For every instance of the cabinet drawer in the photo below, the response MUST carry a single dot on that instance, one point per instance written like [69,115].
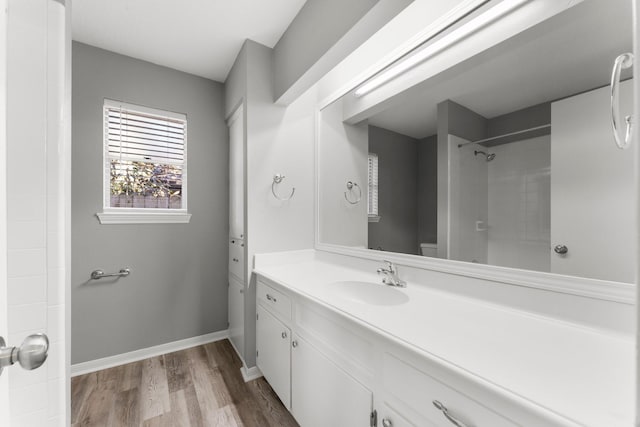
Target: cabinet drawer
[274,300]
[412,392]
[236,258]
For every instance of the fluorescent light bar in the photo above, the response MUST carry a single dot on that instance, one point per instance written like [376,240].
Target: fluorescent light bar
[412,59]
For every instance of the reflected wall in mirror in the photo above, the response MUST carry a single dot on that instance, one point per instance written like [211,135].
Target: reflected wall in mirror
[506,158]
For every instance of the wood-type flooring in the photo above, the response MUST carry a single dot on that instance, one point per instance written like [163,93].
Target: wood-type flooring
[200,386]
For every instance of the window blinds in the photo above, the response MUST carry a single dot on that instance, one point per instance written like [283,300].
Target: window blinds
[372,191]
[143,136]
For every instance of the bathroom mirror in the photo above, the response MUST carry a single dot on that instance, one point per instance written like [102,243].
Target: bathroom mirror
[506,158]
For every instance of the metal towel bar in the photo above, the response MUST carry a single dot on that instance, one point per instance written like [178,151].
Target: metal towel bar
[99,274]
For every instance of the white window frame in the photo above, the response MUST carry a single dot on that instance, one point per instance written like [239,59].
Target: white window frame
[373,188]
[110,215]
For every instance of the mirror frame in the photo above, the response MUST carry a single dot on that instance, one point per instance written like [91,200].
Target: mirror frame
[573,285]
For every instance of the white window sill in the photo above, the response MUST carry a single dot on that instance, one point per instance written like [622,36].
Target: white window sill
[143,216]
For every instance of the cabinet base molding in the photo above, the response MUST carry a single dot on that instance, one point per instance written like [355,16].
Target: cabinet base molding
[145,353]
[250,374]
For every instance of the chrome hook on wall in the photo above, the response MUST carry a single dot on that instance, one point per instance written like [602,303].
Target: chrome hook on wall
[277,179]
[622,62]
[350,185]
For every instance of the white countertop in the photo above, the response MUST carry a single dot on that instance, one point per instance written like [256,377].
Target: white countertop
[583,374]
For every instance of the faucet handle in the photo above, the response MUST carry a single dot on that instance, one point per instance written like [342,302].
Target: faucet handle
[390,266]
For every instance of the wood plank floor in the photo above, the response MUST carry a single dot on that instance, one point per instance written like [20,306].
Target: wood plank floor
[199,386]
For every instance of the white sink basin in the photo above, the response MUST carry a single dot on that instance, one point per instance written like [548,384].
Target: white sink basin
[369,293]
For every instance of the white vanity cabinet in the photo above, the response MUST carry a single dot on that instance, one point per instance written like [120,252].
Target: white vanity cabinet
[330,368]
[421,399]
[316,390]
[322,393]
[273,354]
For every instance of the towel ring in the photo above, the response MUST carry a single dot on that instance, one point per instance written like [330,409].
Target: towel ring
[350,185]
[277,179]
[622,62]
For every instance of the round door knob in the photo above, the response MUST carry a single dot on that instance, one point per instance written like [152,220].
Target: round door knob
[284,335]
[33,351]
[386,422]
[30,355]
[560,249]
[294,344]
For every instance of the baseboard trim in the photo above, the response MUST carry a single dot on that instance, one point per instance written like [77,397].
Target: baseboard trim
[145,353]
[250,374]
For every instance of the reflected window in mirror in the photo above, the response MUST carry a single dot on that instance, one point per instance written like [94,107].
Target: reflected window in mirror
[372,188]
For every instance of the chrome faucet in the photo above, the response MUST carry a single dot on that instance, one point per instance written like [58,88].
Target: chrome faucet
[391,275]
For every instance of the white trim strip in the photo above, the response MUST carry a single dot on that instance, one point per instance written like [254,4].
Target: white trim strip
[250,374]
[138,217]
[145,353]
[591,288]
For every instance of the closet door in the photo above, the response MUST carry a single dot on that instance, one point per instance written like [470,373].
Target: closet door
[236,174]
[592,188]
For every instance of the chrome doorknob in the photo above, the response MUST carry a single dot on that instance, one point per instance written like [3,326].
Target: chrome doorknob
[30,355]
[560,249]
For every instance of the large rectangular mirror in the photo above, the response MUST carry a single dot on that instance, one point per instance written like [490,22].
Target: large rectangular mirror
[506,158]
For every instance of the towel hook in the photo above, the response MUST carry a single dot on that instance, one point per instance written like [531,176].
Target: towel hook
[622,62]
[277,179]
[350,185]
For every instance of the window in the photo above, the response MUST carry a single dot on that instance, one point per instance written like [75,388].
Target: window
[145,171]
[372,189]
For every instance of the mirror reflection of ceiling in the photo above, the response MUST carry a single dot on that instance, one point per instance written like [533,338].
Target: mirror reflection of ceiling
[569,53]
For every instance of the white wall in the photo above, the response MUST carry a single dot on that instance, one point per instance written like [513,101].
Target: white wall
[519,204]
[37,171]
[342,156]
[278,140]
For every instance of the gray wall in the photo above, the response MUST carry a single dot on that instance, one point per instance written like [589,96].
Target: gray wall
[178,285]
[322,34]
[428,189]
[397,230]
[317,27]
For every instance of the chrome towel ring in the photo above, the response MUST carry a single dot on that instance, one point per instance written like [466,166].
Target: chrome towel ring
[622,62]
[350,185]
[277,179]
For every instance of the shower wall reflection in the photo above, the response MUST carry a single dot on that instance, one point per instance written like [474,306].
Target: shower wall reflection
[500,209]
[493,198]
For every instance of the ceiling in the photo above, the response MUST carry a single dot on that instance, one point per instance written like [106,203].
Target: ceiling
[568,54]
[201,37]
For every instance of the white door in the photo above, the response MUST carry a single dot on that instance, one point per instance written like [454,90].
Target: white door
[34,185]
[596,226]
[236,174]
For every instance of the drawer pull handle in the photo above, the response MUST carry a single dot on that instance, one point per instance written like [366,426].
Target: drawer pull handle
[235,260]
[284,335]
[386,422]
[450,417]
[270,298]
[294,343]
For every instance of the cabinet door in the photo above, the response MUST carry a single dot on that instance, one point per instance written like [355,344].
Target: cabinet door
[236,315]
[236,174]
[273,356]
[322,393]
